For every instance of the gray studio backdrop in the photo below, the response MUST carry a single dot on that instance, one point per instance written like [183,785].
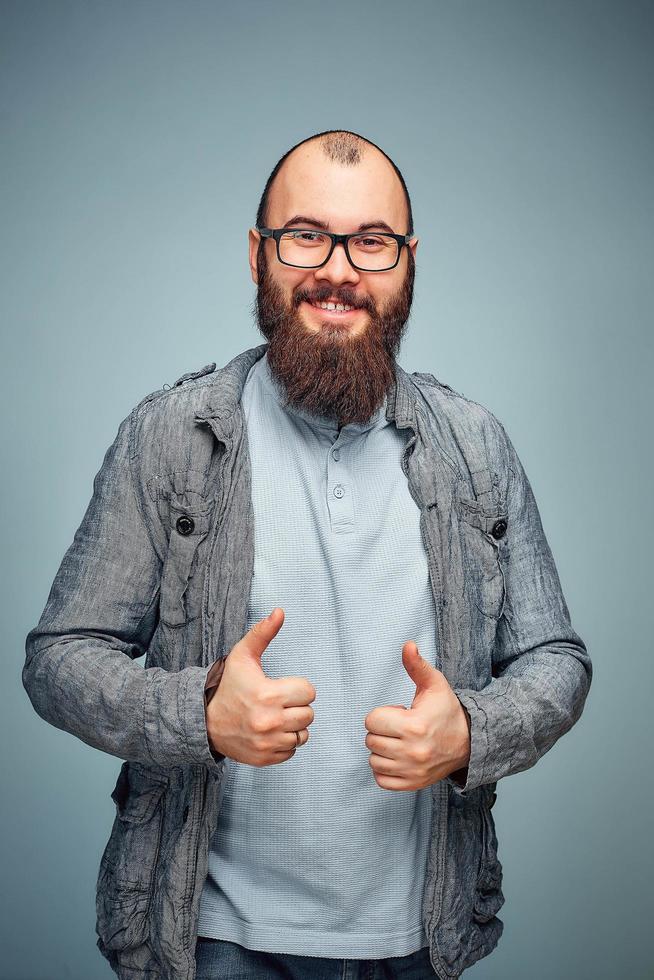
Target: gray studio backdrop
[137,138]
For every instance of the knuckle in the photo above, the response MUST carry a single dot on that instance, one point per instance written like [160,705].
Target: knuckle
[267,697]
[414,729]
[260,724]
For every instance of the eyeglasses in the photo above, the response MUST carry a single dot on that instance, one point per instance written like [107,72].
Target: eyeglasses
[306,248]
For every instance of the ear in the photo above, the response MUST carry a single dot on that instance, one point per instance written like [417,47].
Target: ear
[413,245]
[254,239]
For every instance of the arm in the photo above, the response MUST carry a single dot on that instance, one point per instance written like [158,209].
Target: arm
[541,668]
[100,615]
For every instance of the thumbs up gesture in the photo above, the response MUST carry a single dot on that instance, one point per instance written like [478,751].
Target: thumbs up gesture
[253,718]
[414,747]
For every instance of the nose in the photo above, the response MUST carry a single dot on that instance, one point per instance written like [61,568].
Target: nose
[338,269]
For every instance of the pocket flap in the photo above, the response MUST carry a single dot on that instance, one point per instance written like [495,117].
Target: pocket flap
[484,518]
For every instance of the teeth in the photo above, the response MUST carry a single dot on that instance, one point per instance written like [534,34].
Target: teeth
[333,306]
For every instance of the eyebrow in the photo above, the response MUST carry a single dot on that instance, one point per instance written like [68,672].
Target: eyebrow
[300,219]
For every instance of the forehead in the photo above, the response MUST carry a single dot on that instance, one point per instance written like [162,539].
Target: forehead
[309,183]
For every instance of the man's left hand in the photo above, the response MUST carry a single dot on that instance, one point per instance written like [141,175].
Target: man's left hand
[414,747]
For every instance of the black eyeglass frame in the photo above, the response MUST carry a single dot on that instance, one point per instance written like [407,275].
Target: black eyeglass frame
[343,240]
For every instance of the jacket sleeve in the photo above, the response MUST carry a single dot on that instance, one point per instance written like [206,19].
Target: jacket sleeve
[541,668]
[101,613]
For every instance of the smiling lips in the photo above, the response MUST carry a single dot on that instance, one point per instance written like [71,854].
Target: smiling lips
[337,310]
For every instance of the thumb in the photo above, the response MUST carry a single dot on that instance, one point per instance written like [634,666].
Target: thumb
[261,633]
[422,673]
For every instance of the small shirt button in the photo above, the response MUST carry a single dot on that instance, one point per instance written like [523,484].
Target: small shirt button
[338,491]
[185,525]
[499,529]
[336,453]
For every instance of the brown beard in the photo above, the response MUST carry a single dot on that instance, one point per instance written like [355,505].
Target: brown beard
[330,373]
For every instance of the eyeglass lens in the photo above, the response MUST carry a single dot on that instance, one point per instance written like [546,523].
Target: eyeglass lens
[372,252]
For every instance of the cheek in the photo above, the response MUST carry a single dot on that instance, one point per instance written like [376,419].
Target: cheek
[293,283]
[383,293]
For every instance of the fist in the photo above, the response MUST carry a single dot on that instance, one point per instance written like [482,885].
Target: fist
[253,718]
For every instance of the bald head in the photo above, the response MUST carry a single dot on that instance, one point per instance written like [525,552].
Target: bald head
[333,163]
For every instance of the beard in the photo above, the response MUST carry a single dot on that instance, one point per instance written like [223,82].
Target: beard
[332,372]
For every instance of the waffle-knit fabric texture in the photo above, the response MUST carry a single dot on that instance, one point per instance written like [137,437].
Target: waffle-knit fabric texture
[311,856]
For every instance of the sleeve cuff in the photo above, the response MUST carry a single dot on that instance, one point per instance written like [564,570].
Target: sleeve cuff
[196,721]
[470,777]
[460,776]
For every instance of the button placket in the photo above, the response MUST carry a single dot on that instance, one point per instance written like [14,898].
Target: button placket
[340,494]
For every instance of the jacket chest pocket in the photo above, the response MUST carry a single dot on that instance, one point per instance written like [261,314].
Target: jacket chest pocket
[182,575]
[127,866]
[484,549]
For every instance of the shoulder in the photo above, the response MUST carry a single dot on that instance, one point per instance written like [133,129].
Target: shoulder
[445,399]
[172,421]
[193,375]
[166,415]
[466,425]
[166,392]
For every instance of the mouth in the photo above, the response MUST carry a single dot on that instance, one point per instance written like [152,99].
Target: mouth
[333,311]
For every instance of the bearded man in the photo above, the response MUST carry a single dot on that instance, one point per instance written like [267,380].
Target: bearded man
[352,621]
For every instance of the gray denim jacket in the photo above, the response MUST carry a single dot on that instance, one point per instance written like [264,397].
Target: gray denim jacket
[161,565]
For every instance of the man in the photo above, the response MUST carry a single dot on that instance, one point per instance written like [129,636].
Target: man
[315,549]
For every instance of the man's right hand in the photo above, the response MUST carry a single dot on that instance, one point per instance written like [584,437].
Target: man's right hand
[253,718]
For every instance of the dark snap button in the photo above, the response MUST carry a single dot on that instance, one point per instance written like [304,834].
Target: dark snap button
[185,525]
[499,529]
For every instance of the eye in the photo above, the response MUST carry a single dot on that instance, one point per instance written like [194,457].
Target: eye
[371,242]
[306,237]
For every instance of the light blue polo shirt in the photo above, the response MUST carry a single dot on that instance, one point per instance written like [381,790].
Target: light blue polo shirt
[311,856]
